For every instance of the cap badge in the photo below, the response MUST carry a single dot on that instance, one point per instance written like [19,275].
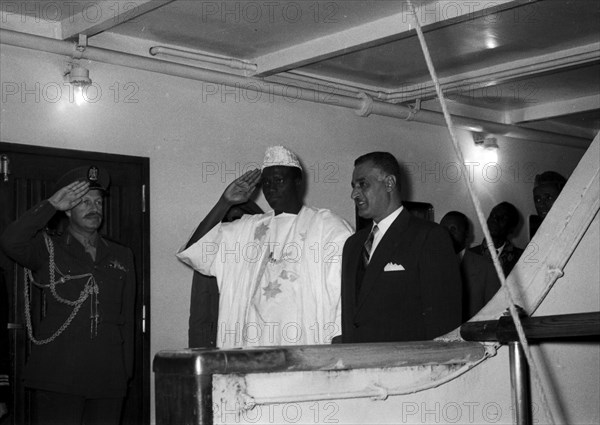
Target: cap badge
[92,174]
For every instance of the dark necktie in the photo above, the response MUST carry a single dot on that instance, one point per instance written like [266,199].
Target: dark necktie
[366,253]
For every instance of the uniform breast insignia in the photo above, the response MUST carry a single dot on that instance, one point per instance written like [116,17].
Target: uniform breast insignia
[114,264]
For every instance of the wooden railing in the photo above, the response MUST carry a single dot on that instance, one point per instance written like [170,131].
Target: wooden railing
[575,327]
[184,378]
[536,328]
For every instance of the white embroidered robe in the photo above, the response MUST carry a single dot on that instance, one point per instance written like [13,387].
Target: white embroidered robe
[279,277]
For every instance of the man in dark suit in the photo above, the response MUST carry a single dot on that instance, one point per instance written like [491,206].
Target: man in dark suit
[400,278]
[480,281]
[502,222]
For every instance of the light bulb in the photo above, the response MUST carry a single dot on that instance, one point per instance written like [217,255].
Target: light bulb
[79,96]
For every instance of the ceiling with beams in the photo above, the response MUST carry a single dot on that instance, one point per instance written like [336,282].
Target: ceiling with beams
[523,64]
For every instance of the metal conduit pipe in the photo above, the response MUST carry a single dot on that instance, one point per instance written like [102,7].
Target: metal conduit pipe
[219,60]
[363,105]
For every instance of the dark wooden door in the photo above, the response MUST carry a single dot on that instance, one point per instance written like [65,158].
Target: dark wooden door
[32,174]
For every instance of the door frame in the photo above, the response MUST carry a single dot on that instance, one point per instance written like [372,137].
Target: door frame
[142,258]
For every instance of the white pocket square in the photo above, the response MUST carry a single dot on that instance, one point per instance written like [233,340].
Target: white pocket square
[393,267]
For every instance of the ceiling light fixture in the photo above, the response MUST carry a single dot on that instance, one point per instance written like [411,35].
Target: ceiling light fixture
[77,75]
[488,147]
[485,142]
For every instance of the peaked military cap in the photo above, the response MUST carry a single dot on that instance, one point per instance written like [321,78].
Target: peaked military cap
[97,177]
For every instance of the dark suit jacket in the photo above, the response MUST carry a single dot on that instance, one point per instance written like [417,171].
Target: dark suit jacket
[204,312]
[480,283]
[508,258]
[419,303]
[535,221]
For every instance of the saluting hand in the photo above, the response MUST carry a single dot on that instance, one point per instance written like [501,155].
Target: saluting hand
[240,190]
[69,196]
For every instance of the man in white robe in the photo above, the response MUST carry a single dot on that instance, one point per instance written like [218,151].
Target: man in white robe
[278,273]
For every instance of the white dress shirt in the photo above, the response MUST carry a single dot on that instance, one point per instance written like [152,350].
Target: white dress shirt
[383,227]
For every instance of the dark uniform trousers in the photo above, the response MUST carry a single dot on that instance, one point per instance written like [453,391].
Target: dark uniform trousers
[50,408]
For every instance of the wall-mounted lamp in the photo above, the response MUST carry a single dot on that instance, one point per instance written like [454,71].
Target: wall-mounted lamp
[77,75]
[488,145]
[484,141]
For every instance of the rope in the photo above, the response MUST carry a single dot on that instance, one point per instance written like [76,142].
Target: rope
[375,391]
[508,290]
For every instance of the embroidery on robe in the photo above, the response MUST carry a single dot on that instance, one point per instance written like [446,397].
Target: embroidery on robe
[291,276]
[261,231]
[272,289]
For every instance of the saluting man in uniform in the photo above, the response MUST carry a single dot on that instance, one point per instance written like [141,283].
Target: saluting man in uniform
[82,350]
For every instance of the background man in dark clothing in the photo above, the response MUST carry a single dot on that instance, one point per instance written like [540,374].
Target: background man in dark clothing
[479,279]
[502,222]
[546,188]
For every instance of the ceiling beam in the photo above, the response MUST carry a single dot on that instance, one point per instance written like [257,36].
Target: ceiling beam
[432,15]
[468,83]
[558,127]
[556,108]
[505,72]
[93,18]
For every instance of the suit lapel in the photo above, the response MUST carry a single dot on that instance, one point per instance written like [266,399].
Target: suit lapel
[382,255]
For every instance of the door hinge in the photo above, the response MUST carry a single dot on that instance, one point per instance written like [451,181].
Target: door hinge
[14,326]
[143,198]
[4,167]
[144,318]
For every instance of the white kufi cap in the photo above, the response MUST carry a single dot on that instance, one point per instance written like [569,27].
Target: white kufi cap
[280,156]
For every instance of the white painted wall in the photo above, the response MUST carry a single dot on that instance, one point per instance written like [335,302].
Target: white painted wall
[198,143]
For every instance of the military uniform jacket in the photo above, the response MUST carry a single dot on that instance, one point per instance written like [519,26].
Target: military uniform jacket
[411,289]
[95,362]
